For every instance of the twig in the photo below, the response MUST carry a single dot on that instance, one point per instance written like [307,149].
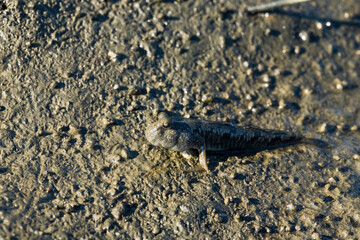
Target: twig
[272,5]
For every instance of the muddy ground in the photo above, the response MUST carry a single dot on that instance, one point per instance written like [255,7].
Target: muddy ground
[80,81]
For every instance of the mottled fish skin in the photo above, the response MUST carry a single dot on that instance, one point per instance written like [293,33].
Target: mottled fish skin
[187,135]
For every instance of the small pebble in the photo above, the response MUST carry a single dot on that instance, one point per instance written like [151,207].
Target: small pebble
[285,49]
[115,212]
[290,207]
[307,91]
[319,25]
[115,159]
[185,102]
[354,128]
[260,67]
[184,208]
[108,121]
[228,200]
[332,180]
[269,102]
[97,217]
[237,217]
[322,128]
[250,105]
[304,36]
[249,72]
[111,192]
[347,15]
[116,86]
[277,72]
[233,175]
[329,48]
[258,108]
[145,147]
[91,143]
[112,56]
[222,41]
[250,97]
[134,106]
[265,78]
[124,154]
[179,226]
[267,32]
[339,84]
[206,98]
[75,130]
[315,236]
[282,104]
[156,230]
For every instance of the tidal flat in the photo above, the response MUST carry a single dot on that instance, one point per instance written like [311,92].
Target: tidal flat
[81,80]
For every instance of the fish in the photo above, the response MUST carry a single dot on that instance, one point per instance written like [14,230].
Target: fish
[194,137]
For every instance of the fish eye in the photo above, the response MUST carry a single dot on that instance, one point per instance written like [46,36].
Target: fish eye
[166,124]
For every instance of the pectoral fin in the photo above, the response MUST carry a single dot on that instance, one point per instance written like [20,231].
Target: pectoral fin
[203,159]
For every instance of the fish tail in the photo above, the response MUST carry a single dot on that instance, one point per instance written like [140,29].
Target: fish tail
[315,142]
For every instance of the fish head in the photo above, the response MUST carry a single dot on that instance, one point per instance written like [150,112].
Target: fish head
[162,133]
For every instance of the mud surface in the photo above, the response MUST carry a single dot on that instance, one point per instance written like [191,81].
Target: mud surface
[80,81]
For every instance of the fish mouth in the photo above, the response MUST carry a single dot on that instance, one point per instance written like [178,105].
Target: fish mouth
[151,134]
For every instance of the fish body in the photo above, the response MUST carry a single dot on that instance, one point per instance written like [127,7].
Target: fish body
[190,136]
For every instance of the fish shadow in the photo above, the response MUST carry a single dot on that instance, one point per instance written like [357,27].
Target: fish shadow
[215,158]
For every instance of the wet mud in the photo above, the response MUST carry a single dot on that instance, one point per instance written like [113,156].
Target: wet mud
[81,80]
